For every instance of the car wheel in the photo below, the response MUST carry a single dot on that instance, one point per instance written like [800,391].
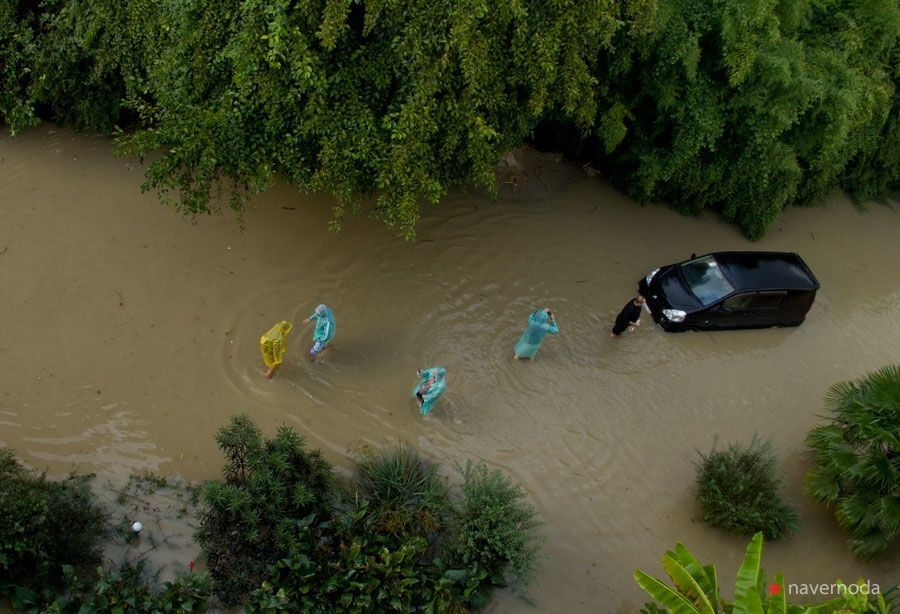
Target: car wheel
[790,324]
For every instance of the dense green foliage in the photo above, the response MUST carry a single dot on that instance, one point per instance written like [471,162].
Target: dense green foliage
[496,527]
[124,590]
[739,105]
[349,563]
[18,50]
[856,458]
[45,525]
[51,539]
[749,106]
[280,533]
[737,490]
[696,589]
[404,492]
[272,489]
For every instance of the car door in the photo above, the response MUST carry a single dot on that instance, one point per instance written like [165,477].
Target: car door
[733,311]
[751,310]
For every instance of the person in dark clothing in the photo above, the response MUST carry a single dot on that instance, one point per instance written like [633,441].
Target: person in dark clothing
[629,317]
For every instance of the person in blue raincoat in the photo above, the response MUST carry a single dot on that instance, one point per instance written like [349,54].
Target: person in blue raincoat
[324,332]
[540,323]
[430,388]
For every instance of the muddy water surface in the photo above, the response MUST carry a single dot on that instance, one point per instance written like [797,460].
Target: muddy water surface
[129,336]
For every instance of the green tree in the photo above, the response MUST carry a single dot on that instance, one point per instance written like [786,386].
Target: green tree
[402,98]
[18,48]
[744,106]
[747,106]
[856,458]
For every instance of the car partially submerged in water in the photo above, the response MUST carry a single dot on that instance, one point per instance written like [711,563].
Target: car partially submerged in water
[730,290]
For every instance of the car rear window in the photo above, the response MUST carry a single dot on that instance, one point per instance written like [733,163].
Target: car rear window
[705,280]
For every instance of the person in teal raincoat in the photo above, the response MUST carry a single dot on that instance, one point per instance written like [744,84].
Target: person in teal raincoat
[430,388]
[540,323]
[324,332]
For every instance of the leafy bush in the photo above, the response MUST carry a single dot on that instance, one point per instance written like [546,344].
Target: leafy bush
[120,590]
[857,460]
[272,490]
[279,534]
[496,528]
[360,568]
[127,588]
[18,49]
[696,589]
[404,491]
[737,490]
[45,525]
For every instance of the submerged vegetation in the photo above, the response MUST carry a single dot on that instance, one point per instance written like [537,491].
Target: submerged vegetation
[45,525]
[743,107]
[856,460]
[52,535]
[737,490]
[280,532]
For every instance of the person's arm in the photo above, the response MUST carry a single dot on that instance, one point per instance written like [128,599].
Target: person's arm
[554,328]
[314,316]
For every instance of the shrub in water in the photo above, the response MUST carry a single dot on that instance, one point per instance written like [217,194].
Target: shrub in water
[45,525]
[358,568]
[496,528]
[404,491]
[857,460]
[737,490]
[280,534]
[271,488]
[124,590]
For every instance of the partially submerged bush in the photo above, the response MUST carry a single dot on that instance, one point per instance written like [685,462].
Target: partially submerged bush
[353,566]
[856,460]
[496,527]
[279,533]
[737,490]
[272,489]
[404,491]
[125,589]
[45,525]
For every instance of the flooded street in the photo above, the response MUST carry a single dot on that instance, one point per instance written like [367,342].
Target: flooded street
[130,335]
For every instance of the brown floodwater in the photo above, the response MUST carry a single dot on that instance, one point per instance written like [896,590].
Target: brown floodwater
[130,335]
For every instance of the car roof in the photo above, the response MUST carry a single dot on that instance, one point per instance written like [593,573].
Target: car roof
[766,270]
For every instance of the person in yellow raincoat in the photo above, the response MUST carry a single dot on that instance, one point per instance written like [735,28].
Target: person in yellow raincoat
[273,344]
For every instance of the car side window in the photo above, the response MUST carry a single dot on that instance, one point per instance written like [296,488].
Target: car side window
[768,300]
[739,302]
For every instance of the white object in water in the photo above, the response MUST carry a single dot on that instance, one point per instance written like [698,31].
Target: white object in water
[137,527]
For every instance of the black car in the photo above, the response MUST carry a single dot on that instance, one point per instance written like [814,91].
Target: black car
[727,290]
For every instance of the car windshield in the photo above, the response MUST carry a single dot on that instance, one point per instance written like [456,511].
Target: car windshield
[705,280]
